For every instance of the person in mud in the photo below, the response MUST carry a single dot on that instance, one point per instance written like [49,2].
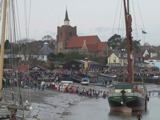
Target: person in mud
[39,85]
[149,93]
[139,116]
[104,94]
[42,85]
[35,85]
[22,84]
[106,83]
[96,94]
[123,96]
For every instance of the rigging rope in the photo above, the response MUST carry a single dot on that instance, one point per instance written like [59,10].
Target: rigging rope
[13,30]
[135,23]
[115,17]
[136,27]
[27,15]
[120,26]
[1,8]
[143,27]
[27,25]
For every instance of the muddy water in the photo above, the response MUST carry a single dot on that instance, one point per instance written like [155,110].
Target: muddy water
[98,109]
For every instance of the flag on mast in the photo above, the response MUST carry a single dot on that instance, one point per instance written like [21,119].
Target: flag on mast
[144,32]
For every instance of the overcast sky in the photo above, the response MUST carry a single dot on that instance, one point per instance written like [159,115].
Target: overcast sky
[92,17]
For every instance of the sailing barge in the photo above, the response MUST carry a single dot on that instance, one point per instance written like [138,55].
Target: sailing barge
[129,96]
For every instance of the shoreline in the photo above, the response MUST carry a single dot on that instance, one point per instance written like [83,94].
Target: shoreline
[49,104]
[54,107]
[55,104]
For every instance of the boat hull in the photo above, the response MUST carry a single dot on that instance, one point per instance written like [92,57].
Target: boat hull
[135,101]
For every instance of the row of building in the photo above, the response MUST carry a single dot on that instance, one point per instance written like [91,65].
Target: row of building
[67,40]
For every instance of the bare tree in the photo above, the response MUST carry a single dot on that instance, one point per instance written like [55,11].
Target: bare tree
[47,37]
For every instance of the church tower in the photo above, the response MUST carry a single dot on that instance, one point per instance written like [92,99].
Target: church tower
[66,20]
[64,33]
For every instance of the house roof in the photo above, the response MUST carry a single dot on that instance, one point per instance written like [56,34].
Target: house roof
[116,54]
[77,41]
[150,48]
[45,50]
[22,67]
[37,68]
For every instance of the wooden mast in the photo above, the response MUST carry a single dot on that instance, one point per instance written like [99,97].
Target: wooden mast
[130,58]
[2,44]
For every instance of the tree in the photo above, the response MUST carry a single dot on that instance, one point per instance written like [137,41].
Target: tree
[60,55]
[51,65]
[47,37]
[118,43]
[136,44]
[114,41]
[51,57]
[73,55]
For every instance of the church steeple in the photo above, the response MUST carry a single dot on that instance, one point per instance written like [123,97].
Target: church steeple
[66,20]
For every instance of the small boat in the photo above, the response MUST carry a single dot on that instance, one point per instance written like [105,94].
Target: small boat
[85,81]
[76,78]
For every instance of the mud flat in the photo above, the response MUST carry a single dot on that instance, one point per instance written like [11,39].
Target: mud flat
[54,107]
[48,104]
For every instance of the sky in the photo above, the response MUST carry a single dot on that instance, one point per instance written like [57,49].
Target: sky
[92,17]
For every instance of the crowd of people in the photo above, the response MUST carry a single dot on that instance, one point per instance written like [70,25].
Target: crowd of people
[79,89]
[40,80]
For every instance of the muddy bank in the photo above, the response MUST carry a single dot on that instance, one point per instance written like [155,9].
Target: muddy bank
[48,104]
[52,105]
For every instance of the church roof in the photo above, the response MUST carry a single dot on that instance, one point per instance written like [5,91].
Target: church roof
[77,41]
[100,45]
[93,43]
[92,48]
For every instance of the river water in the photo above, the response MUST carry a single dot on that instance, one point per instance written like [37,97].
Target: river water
[98,109]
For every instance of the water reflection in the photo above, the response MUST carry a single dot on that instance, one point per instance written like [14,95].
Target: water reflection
[98,109]
[126,116]
[120,116]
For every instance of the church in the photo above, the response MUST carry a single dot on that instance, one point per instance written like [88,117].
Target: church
[68,41]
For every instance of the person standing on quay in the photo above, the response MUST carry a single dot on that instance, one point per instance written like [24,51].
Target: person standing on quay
[139,116]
